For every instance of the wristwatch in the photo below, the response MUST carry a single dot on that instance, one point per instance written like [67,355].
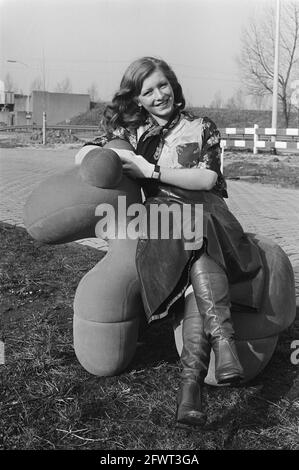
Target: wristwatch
[156,173]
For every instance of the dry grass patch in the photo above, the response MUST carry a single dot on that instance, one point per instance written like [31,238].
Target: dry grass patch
[47,401]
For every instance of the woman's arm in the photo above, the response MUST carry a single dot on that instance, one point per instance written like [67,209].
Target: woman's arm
[189,178]
[201,177]
[136,166]
[104,139]
[205,175]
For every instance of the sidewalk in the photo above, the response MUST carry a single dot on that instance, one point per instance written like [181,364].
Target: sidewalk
[269,211]
[22,170]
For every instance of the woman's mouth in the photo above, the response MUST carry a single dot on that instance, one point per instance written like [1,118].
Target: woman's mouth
[164,104]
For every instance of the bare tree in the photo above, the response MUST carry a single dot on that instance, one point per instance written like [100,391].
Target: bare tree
[260,101]
[295,98]
[9,83]
[217,100]
[37,84]
[64,86]
[256,60]
[237,101]
[93,92]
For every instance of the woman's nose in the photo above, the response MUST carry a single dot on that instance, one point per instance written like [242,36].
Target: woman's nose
[158,94]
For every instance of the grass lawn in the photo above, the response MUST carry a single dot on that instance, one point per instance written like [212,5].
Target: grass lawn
[48,401]
[281,170]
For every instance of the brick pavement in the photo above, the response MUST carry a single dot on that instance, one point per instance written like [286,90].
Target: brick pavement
[22,170]
[269,211]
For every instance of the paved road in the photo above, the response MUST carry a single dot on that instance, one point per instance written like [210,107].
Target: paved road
[264,209]
[22,170]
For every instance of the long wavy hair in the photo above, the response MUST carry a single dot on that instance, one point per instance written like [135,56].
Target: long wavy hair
[124,111]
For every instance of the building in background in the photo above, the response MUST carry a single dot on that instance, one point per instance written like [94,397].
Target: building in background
[17,109]
[6,105]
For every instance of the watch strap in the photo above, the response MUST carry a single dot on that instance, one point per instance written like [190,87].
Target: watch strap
[156,173]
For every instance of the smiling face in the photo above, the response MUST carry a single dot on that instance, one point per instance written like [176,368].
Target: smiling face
[157,97]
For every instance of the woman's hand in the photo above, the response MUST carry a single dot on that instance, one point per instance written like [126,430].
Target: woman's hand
[196,179]
[134,165]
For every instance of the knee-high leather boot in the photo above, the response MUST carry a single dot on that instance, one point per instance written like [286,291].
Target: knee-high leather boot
[211,291]
[195,360]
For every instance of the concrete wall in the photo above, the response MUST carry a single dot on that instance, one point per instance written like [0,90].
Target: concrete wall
[20,118]
[6,117]
[21,103]
[12,118]
[58,106]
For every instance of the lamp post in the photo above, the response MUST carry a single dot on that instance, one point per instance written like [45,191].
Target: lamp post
[28,114]
[276,68]
[12,61]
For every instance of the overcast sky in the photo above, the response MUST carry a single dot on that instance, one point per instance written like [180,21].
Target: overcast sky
[95,40]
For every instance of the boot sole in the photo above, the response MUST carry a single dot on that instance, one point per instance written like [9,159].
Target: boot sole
[191,422]
[189,425]
[230,380]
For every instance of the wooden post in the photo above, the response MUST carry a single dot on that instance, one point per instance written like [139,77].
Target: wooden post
[44,127]
[255,139]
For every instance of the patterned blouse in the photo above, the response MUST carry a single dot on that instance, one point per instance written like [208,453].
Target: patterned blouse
[192,143]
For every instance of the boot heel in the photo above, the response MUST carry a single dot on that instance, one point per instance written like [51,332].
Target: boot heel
[228,369]
[229,380]
[197,419]
[178,424]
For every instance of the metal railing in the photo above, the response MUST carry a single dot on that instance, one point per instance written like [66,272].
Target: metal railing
[33,127]
[254,138]
[257,138]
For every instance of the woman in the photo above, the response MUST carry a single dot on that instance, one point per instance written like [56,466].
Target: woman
[177,159]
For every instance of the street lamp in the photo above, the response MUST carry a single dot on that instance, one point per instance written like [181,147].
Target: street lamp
[276,68]
[12,61]
[28,114]
[17,62]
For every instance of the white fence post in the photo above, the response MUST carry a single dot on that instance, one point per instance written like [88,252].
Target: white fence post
[255,138]
[2,354]
[222,159]
[44,127]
